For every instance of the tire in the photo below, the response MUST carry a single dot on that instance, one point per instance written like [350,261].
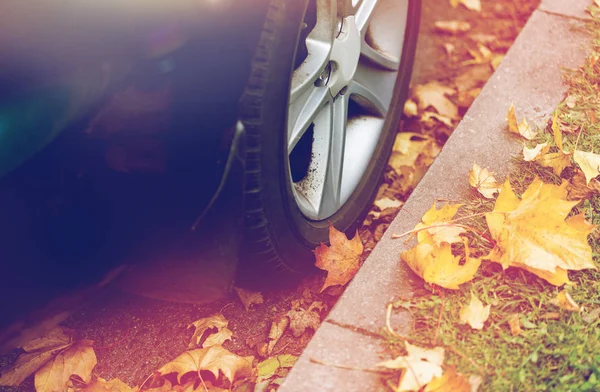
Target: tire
[277,235]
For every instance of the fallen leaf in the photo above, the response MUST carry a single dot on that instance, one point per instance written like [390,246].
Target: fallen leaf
[78,360]
[387,202]
[441,217]
[522,129]
[557,133]
[269,367]
[101,385]
[428,116]
[340,259]
[303,319]
[410,108]
[38,352]
[248,297]
[437,265]
[591,316]
[475,381]
[408,154]
[496,60]
[515,324]
[579,189]
[556,160]
[483,181]
[473,5]
[449,48]
[550,316]
[531,154]
[420,366]
[571,101]
[564,301]
[450,381]
[480,56]
[278,327]
[589,164]
[212,359]
[474,314]
[434,95]
[216,321]
[533,233]
[452,26]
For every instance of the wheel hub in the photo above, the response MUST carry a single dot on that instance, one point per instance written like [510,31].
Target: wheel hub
[345,54]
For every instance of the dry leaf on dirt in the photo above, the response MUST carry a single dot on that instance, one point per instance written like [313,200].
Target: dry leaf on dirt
[480,56]
[452,26]
[410,158]
[278,327]
[217,322]
[212,359]
[37,353]
[484,181]
[340,259]
[302,319]
[248,297]
[589,164]
[428,117]
[269,367]
[434,217]
[534,233]
[514,323]
[473,5]
[420,366]
[474,313]
[531,154]
[435,95]
[564,301]
[410,108]
[114,385]
[78,359]
[386,202]
[437,265]
[451,381]
[522,129]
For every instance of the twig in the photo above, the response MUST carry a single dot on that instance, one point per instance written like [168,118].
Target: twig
[388,324]
[345,367]
[202,381]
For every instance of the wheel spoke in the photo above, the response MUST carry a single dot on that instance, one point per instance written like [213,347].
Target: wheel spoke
[380,59]
[303,111]
[330,199]
[364,14]
[373,89]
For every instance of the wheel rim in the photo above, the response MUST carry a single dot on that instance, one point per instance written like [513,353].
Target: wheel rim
[339,98]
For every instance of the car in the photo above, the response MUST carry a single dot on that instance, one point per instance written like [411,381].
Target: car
[120,121]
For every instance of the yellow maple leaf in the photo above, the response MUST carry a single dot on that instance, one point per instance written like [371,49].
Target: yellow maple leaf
[421,365]
[451,381]
[564,301]
[483,181]
[216,321]
[474,313]
[522,129]
[534,233]
[531,154]
[556,160]
[341,259]
[435,217]
[212,359]
[437,264]
[589,164]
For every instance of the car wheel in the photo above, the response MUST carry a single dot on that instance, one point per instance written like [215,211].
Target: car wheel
[321,109]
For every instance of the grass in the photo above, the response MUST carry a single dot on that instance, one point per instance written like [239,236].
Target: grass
[556,350]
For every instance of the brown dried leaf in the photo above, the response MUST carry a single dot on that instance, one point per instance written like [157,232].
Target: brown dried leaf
[302,319]
[216,321]
[114,385]
[78,359]
[340,259]
[436,95]
[515,324]
[278,327]
[248,297]
[212,359]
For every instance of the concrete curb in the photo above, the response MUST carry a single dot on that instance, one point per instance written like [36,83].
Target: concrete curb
[530,76]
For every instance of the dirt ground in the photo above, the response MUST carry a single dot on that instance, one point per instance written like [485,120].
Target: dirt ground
[134,335]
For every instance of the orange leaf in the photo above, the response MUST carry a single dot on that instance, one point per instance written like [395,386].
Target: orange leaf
[341,259]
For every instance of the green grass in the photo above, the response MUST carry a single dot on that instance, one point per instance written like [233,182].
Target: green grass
[559,353]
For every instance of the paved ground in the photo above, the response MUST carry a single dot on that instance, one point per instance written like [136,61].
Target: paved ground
[530,77]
